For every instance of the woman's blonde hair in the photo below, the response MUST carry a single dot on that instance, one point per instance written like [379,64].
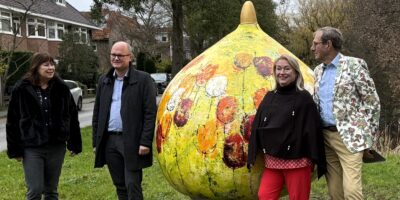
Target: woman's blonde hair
[295,65]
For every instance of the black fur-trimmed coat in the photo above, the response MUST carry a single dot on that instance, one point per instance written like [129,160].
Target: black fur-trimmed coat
[26,124]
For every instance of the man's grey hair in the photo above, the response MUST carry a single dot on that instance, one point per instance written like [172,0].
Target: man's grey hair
[332,34]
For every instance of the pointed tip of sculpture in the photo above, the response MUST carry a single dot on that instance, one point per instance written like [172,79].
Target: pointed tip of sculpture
[248,14]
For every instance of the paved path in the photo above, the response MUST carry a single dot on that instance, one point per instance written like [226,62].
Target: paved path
[85,119]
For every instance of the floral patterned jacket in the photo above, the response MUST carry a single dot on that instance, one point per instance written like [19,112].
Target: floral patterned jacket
[356,106]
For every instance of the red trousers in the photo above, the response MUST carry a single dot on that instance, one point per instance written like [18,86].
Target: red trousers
[298,183]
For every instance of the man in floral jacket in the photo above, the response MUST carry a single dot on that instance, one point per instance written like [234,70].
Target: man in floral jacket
[349,107]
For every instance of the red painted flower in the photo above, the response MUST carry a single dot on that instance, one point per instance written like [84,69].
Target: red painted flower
[245,128]
[226,109]
[162,131]
[234,154]
[264,65]
[181,115]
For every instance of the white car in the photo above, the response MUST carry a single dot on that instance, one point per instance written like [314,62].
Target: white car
[76,92]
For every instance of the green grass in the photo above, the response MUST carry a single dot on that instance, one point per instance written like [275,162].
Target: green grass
[80,181]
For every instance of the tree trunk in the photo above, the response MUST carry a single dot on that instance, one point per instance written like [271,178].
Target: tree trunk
[177,36]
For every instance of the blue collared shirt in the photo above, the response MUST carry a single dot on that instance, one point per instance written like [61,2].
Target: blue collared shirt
[115,121]
[326,85]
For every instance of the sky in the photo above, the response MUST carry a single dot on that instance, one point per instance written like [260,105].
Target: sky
[81,5]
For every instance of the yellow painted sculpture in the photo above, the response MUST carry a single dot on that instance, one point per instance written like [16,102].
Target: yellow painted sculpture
[204,117]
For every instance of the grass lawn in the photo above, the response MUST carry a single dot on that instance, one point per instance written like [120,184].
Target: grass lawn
[80,181]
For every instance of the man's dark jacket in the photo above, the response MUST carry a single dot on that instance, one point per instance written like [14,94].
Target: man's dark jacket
[138,114]
[26,124]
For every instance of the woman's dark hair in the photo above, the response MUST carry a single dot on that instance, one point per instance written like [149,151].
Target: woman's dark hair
[38,59]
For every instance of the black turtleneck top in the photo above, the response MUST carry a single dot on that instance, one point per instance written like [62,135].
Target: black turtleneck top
[288,126]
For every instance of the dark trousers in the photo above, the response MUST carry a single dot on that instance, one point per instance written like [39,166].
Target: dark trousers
[42,168]
[127,182]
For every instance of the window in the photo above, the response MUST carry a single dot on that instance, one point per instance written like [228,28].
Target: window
[16,25]
[60,2]
[52,30]
[5,19]
[55,30]
[83,35]
[80,35]
[60,31]
[94,47]
[164,38]
[36,27]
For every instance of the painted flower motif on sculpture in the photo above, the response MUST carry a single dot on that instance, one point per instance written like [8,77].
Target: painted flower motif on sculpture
[264,65]
[205,74]
[175,99]
[234,155]
[226,109]
[259,96]
[162,133]
[216,86]
[181,115]
[245,127]
[243,60]
[207,137]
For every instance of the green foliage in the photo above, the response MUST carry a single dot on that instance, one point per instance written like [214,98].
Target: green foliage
[164,65]
[149,66]
[78,61]
[79,180]
[145,63]
[141,57]
[207,21]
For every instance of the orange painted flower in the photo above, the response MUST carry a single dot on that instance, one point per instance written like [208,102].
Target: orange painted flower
[163,130]
[243,60]
[207,137]
[259,96]
[226,109]
[205,74]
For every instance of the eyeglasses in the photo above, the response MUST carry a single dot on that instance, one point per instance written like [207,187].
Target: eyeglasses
[317,43]
[114,56]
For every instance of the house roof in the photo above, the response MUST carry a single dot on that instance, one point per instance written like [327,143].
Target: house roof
[48,9]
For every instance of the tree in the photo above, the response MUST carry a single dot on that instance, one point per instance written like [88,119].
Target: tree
[6,59]
[177,18]
[297,28]
[78,61]
[177,36]
[207,21]
[373,34]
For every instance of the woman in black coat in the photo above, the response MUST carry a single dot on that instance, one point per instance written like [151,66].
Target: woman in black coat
[288,131]
[42,121]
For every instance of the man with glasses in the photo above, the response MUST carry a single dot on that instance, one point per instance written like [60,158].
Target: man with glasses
[123,122]
[349,107]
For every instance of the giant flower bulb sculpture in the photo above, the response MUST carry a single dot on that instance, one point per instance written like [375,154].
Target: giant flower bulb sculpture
[204,117]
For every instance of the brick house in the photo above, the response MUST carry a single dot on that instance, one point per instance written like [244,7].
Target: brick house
[43,26]
[117,26]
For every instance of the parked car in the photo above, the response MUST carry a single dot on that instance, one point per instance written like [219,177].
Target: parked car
[162,80]
[155,85]
[76,92]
